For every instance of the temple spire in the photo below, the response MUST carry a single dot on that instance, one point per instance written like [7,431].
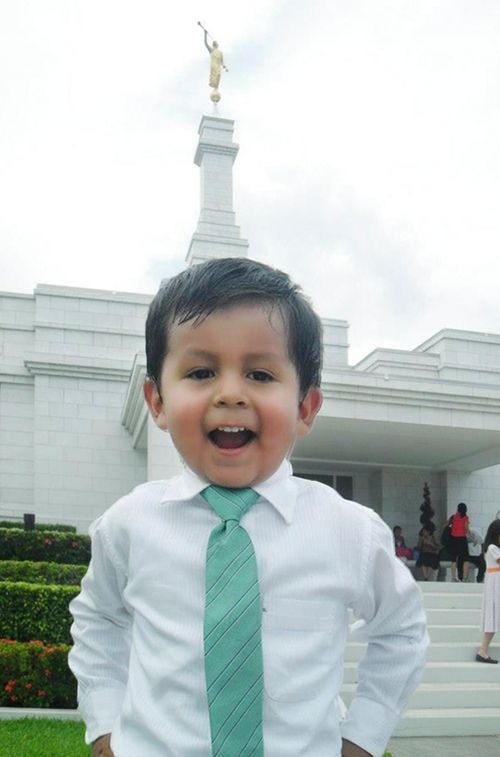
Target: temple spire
[216,235]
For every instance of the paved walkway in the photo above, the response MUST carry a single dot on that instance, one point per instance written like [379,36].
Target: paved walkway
[471,746]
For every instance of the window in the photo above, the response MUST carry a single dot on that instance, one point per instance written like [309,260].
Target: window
[343,484]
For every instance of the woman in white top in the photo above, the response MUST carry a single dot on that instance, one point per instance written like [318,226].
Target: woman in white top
[491,598]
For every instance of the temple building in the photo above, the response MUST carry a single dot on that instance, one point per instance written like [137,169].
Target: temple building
[75,434]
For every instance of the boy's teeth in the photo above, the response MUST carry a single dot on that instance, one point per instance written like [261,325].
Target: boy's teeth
[231,429]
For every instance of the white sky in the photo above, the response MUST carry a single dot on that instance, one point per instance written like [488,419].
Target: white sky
[369,164]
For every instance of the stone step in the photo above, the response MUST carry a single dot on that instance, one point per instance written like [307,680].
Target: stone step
[450,588]
[465,721]
[444,672]
[452,601]
[457,696]
[454,617]
[467,634]
[445,695]
[444,651]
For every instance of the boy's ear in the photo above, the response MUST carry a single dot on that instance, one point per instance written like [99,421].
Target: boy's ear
[155,404]
[308,410]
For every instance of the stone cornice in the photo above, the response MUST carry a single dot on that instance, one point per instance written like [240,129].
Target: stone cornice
[15,326]
[89,328]
[218,148]
[132,298]
[446,395]
[134,412]
[460,335]
[17,295]
[14,374]
[106,369]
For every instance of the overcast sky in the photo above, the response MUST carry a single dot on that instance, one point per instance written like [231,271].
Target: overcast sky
[369,164]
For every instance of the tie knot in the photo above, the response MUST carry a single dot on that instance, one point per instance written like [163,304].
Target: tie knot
[229,504]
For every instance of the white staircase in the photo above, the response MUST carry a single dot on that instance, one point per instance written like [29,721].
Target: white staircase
[457,696]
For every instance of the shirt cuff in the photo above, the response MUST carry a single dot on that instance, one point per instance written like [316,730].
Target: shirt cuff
[99,709]
[369,725]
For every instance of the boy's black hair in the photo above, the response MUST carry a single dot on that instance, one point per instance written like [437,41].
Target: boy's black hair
[462,509]
[198,291]
[492,535]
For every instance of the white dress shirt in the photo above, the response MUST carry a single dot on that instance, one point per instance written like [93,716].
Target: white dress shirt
[138,621]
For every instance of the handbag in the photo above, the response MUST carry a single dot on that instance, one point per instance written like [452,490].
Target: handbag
[446,537]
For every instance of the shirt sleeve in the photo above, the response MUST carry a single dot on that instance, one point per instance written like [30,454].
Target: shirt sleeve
[494,551]
[101,635]
[392,620]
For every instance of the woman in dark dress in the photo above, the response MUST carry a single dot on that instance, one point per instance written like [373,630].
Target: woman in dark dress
[429,549]
[458,543]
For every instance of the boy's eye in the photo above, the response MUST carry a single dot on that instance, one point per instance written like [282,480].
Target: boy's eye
[260,376]
[199,374]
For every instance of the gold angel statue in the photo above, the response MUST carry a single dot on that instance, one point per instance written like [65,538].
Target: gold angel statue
[216,65]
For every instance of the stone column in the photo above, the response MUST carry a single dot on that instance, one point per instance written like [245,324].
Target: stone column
[216,235]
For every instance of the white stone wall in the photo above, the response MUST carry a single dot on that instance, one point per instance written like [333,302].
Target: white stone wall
[16,449]
[65,359]
[16,404]
[83,458]
[479,490]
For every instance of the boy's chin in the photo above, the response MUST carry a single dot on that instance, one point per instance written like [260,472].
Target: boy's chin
[233,482]
[233,478]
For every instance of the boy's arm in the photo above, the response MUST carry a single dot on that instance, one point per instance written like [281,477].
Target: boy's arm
[101,635]
[390,605]
[353,750]
[101,747]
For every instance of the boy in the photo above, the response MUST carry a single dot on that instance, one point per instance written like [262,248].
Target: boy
[233,362]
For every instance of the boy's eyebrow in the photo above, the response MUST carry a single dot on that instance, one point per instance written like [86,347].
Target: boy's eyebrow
[195,353]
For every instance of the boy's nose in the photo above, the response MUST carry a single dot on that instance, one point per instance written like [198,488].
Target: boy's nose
[230,393]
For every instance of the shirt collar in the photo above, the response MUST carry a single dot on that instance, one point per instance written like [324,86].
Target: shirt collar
[278,489]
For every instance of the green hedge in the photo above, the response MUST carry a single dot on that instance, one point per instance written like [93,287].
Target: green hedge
[38,526]
[41,572]
[33,611]
[34,674]
[45,546]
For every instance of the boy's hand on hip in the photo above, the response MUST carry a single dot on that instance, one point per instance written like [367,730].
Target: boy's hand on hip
[353,750]
[101,746]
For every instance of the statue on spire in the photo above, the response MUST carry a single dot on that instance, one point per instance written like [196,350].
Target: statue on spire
[216,65]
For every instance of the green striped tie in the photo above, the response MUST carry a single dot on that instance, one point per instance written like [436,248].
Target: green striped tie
[233,652]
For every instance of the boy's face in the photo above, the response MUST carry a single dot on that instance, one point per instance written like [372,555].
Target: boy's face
[230,395]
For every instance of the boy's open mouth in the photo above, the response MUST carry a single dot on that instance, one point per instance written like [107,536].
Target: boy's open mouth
[229,437]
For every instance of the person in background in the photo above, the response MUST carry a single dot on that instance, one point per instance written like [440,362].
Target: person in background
[400,545]
[428,547]
[490,620]
[458,544]
[476,555]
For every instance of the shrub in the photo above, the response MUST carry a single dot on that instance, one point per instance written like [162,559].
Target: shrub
[38,526]
[34,611]
[35,674]
[45,546]
[41,572]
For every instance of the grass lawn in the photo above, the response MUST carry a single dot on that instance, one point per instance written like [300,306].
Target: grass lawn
[42,738]
[45,738]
